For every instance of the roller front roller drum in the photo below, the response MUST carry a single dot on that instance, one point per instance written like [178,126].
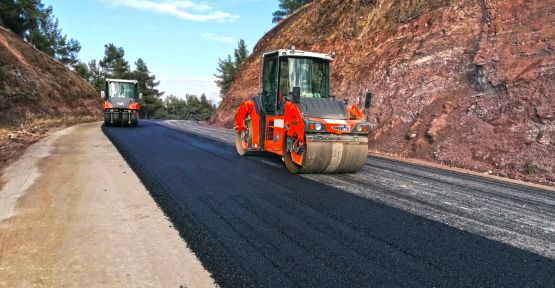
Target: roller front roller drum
[342,154]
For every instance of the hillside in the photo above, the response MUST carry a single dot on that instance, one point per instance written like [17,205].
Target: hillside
[37,94]
[467,83]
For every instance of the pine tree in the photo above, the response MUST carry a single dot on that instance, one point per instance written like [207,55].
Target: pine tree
[241,54]
[287,7]
[68,51]
[114,64]
[228,68]
[153,107]
[12,17]
[226,74]
[207,108]
[83,70]
[96,77]
[36,24]
[176,108]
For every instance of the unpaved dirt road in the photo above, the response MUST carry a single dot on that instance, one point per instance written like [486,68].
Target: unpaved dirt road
[253,224]
[73,214]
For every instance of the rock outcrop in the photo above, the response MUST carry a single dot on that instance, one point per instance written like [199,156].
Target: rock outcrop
[467,83]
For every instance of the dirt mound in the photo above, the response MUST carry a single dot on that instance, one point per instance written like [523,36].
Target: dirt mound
[37,95]
[468,83]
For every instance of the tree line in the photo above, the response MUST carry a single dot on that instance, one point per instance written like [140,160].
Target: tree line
[228,68]
[114,65]
[190,108]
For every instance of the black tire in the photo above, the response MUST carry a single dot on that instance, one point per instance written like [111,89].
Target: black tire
[289,164]
[240,140]
[125,119]
[116,119]
[107,118]
[134,120]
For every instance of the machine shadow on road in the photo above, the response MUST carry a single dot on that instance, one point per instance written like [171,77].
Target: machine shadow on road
[252,224]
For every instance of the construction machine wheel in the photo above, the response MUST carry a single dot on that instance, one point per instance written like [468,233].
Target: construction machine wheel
[325,156]
[243,139]
[134,120]
[125,121]
[116,119]
[107,119]
[293,160]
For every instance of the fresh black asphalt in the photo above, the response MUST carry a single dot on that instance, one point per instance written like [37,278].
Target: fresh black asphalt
[256,225]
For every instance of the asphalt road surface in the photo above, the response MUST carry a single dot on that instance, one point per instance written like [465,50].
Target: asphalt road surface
[254,224]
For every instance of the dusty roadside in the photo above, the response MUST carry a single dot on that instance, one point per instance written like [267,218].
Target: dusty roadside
[81,217]
[14,140]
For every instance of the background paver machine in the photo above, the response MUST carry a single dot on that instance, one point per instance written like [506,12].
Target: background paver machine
[296,117]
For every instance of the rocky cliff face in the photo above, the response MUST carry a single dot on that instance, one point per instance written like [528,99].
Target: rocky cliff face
[33,86]
[468,83]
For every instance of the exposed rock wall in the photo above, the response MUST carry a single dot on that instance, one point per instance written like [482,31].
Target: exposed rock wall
[468,83]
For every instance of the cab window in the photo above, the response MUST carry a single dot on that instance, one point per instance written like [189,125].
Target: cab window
[269,84]
[284,88]
[121,90]
[310,74]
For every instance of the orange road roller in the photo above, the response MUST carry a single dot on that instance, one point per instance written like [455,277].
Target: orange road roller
[121,102]
[296,117]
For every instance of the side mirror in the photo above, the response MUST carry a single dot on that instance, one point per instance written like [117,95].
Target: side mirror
[368,100]
[102,94]
[140,95]
[296,95]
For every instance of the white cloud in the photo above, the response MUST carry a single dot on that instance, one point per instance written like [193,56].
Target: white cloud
[218,38]
[183,9]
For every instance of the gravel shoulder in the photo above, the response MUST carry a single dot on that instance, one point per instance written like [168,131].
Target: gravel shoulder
[73,214]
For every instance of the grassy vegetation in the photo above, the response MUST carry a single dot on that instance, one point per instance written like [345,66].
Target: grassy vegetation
[533,169]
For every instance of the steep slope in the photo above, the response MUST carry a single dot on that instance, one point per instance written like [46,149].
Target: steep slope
[468,83]
[37,94]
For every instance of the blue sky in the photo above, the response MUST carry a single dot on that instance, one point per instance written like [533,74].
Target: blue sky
[181,41]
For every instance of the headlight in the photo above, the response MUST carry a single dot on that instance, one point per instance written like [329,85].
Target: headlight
[363,128]
[314,126]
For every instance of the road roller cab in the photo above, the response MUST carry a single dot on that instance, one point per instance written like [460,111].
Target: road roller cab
[121,102]
[296,117]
